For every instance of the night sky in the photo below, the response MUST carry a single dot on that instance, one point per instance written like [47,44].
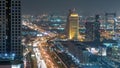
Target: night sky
[83,7]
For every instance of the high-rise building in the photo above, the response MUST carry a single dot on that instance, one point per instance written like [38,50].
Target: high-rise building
[111,25]
[110,21]
[93,30]
[90,35]
[72,25]
[10,30]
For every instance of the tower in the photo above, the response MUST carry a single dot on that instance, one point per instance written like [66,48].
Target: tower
[93,30]
[110,20]
[110,23]
[72,25]
[10,30]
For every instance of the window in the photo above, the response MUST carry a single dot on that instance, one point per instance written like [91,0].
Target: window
[16,1]
[12,4]
[3,1]
[16,4]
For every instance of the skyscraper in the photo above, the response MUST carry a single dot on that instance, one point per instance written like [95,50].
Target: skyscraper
[10,30]
[111,24]
[110,21]
[93,30]
[72,25]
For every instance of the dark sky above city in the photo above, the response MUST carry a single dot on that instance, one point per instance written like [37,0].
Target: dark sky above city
[83,7]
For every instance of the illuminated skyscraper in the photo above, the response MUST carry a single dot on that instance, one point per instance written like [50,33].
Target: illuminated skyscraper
[72,25]
[10,30]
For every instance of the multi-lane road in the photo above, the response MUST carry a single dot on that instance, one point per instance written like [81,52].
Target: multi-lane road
[40,61]
[44,60]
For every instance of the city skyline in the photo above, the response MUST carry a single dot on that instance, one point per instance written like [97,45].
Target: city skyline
[62,6]
[59,34]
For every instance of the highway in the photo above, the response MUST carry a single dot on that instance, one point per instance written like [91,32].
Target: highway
[44,60]
[40,61]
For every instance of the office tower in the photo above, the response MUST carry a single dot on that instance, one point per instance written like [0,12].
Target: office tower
[97,30]
[111,24]
[72,25]
[10,30]
[89,31]
[110,21]
[93,30]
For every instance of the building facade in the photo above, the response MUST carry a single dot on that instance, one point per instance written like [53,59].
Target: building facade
[10,29]
[72,29]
